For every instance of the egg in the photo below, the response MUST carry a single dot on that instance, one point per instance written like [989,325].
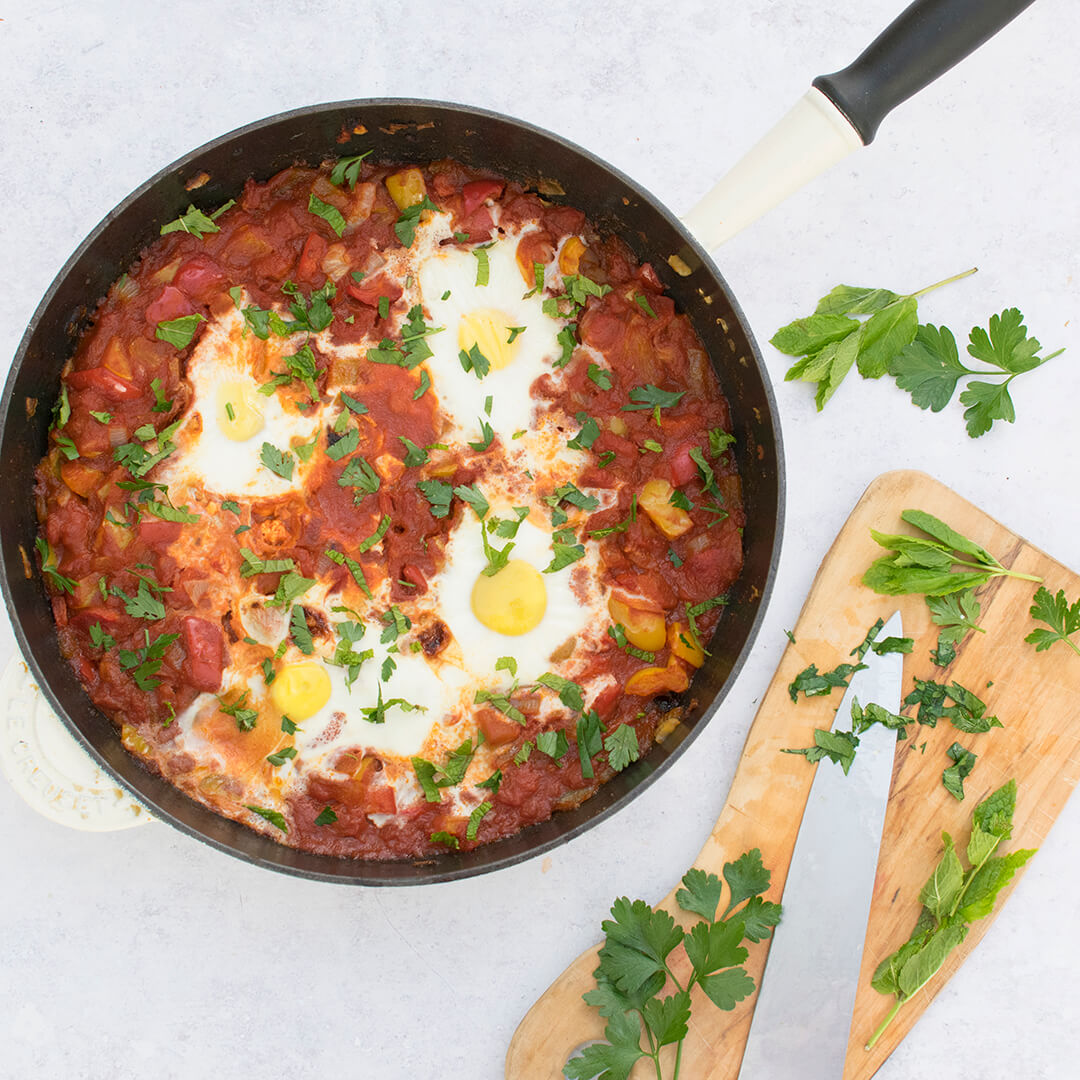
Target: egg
[508,329]
[520,611]
[229,420]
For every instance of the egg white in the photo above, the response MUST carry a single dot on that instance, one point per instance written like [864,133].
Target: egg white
[461,394]
[210,461]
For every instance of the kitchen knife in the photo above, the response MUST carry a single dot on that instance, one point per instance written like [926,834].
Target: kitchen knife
[802,1018]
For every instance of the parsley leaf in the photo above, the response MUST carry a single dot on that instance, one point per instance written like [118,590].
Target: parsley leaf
[330,214]
[600,376]
[471,494]
[652,397]
[405,228]
[570,693]
[438,494]
[1055,611]
[589,433]
[279,462]
[146,661]
[48,566]
[347,171]
[326,816]
[193,221]
[487,436]
[622,747]
[273,816]
[299,632]
[475,361]
[634,967]
[179,332]
[360,475]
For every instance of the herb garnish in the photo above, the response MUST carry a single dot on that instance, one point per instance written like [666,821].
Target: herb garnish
[634,968]
[245,718]
[330,214]
[299,632]
[360,475]
[952,898]
[279,462]
[193,221]
[48,566]
[273,816]
[410,218]
[652,397]
[347,171]
[147,660]
[179,332]
[954,776]
[326,816]
[600,376]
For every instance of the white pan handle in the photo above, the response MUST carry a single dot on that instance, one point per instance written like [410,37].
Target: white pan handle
[843,110]
[49,769]
[811,138]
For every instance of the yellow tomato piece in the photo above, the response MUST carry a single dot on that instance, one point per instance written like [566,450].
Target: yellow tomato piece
[657,680]
[570,256]
[300,690]
[511,602]
[406,187]
[116,359]
[655,500]
[80,478]
[238,414]
[489,330]
[645,629]
[682,645]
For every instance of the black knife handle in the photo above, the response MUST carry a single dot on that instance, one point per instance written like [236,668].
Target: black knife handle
[927,39]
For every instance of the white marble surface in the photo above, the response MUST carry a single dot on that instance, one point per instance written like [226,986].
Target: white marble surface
[144,953]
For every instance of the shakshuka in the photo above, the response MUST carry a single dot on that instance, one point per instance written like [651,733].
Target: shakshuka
[388,509]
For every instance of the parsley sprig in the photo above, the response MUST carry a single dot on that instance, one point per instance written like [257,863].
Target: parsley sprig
[952,899]
[635,966]
[929,368]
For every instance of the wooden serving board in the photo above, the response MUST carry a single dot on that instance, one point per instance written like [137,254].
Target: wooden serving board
[1035,695]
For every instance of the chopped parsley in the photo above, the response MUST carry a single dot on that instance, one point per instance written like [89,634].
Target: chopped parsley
[330,214]
[299,632]
[405,228]
[179,332]
[193,221]
[273,816]
[279,462]
[347,171]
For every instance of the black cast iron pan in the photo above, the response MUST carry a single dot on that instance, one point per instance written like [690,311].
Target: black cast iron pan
[420,131]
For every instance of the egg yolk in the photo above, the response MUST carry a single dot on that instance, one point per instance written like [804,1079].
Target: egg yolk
[238,414]
[511,602]
[489,330]
[300,690]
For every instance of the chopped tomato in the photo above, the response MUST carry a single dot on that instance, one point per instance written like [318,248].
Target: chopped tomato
[109,383]
[152,531]
[380,799]
[205,648]
[415,576]
[369,291]
[497,729]
[199,277]
[171,304]
[478,192]
[314,249]
[681,466]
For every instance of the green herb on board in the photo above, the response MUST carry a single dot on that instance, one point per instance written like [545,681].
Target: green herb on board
[637,966]
[924,564]
[952,899]
[1055,611]
[963,761]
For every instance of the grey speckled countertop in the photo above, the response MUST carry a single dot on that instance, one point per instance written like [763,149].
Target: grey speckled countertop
[143,953]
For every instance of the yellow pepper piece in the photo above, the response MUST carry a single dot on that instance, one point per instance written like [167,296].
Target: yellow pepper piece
[655,500]
[406,188]
[645,629]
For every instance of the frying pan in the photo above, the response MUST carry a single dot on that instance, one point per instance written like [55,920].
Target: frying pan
[894,67]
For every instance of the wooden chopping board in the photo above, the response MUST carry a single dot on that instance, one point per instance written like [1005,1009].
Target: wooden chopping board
[1035,695]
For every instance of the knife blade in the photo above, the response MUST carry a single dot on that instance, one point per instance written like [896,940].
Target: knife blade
[803,1015]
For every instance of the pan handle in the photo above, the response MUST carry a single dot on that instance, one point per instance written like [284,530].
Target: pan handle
[843,110]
